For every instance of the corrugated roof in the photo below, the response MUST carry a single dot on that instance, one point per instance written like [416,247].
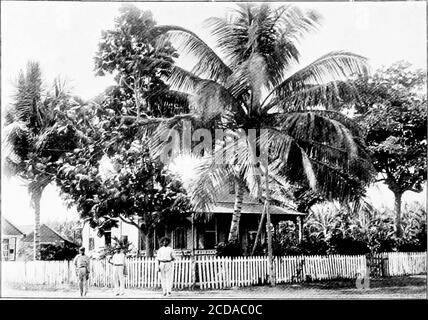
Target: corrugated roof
[249,206]
[253,208]
[47,235]
[8,229]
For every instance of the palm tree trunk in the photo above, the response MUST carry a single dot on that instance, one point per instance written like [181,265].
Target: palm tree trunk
[36,198]
[269,231]
[398,195]
[236,217]
[259,231]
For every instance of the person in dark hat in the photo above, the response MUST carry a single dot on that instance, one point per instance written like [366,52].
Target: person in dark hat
[82,264]
[165,261]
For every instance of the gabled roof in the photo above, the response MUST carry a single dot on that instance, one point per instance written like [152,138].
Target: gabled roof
[8,229]
[47,235]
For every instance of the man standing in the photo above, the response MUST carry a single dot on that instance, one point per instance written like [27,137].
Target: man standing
[82,264]
[165,258]
[118,260]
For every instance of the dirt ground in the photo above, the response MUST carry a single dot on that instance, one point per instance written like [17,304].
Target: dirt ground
[409,287]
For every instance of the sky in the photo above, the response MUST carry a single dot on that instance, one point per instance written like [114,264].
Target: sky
[63,38]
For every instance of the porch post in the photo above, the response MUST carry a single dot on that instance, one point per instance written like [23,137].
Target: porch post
[300,228]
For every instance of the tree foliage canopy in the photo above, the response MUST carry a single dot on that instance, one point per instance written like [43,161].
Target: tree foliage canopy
[394,105]
[140,64]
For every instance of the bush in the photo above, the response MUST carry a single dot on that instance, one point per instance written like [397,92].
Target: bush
[229,249]
[53,252]
[333,229]
[313,244]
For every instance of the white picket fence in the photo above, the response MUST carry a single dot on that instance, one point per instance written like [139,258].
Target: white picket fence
[212,272]
[142,273]
[218,273]
[404,263]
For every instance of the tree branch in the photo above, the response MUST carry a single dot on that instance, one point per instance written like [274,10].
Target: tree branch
[130,221]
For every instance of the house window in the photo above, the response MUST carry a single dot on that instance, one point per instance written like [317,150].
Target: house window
[107,238]
[180,237]
[77,236]
[5,249]
[208,237]
[123,239]
[252,237]
[91,244]
[9,249]
[12,249]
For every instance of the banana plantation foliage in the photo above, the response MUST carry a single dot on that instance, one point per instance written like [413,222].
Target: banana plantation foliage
[334,229]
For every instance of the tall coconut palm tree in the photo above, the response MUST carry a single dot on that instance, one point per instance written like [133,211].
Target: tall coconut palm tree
[247,82]
[37,132]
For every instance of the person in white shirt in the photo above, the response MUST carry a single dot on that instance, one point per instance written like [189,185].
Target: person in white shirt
[165,261]
[118,260]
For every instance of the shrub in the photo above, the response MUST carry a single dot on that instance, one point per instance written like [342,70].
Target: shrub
[56,252]
[229,249]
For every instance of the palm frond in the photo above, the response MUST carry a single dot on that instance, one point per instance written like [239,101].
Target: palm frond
[183,80]
[209,64]
[331,95]
[17,141]
[212,177]
[312,126]
[333,66]
[165,128]
[250,75]
[335,166]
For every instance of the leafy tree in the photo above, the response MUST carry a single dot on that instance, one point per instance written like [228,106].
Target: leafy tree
[38,130]
[139,63]
[250,86]
[137,191]
[393,107]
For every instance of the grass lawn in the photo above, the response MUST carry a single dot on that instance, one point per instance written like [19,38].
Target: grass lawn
[406,287]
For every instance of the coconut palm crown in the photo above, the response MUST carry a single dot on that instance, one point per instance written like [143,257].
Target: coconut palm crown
[38,130]
[248,82]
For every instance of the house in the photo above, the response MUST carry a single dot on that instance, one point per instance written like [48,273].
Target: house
[48,236]
[17,241]
[11,240]
[192,235]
